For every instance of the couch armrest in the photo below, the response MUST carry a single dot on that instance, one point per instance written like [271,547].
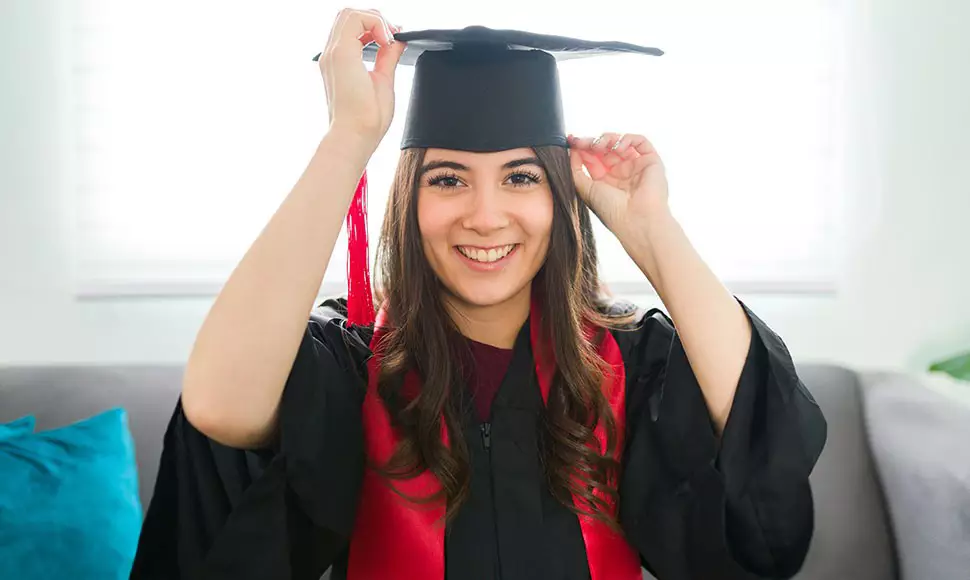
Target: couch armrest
[919,439]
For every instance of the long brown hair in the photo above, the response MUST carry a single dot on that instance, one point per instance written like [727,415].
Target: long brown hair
[422,338]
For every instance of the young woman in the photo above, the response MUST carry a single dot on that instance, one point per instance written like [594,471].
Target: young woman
[500,418]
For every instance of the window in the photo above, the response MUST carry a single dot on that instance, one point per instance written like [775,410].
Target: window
[196,119]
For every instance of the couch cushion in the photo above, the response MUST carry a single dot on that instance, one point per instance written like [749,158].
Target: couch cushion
[852,535]
[60,395]
[852,538]
[69,505]
[957,390]
[17,427]
[919,439]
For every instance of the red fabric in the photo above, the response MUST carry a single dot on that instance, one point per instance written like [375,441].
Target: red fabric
[360,300]
[394,538]
[609,555]
[484,370]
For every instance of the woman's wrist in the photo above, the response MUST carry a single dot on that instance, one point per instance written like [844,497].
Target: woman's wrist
[354,143]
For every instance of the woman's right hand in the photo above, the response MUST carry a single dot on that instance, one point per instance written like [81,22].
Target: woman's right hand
[360,101]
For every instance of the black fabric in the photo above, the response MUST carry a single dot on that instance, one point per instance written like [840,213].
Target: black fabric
[560,47]
[468,100]
[694,507]
[480,89]
[515,526]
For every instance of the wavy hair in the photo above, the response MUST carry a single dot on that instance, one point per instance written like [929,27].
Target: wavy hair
[423,338]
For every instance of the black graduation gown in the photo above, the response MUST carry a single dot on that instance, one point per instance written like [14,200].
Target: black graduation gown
[695,507]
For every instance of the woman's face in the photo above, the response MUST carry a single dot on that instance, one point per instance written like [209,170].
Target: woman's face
[485,221]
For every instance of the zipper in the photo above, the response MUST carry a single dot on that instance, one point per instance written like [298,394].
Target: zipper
[486,429]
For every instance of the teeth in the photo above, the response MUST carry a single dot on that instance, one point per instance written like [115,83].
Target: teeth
[492,255]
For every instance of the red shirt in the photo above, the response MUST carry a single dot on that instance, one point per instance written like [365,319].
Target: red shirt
[484,374]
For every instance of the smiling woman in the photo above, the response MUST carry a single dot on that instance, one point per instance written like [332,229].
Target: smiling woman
[499,417]
[485,224]
[469,241]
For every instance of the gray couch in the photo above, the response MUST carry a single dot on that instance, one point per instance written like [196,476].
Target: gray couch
[854,537]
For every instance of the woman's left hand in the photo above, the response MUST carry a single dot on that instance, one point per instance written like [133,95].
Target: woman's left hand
[627,182]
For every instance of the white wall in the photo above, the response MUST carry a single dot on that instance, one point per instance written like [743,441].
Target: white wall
[903,294]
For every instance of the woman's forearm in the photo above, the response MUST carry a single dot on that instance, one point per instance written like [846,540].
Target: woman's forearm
[712,325]
[244,351]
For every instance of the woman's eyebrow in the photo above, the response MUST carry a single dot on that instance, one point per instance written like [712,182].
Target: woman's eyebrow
[523,161]
[439,164]
[459,167]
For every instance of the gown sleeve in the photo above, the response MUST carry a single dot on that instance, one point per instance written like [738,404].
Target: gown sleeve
[696,506]
[281,512]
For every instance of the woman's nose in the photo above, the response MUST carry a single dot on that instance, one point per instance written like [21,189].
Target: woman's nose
[486,212]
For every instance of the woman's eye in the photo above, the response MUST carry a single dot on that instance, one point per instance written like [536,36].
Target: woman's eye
[446,181]
[518,179]
[524,179]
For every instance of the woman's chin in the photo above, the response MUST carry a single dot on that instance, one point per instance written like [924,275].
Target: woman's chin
[483,295]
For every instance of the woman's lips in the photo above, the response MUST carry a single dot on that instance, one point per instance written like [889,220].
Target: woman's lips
[487,266]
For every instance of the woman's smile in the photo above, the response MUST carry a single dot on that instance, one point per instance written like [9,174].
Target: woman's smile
[486,258]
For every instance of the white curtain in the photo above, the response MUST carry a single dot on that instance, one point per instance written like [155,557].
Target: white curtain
[194,119]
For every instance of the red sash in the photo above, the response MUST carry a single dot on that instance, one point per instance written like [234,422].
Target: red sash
[394,538]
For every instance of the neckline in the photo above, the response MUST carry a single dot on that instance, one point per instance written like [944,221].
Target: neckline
[487,346]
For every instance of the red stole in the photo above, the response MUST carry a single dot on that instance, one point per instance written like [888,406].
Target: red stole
[394,538]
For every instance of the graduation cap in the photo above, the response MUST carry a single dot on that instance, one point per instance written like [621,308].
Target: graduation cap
[474,89]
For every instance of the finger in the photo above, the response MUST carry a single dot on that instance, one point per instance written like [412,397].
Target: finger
[638,143]
[585,184]
[622,145]
[611,159]
[352,23]
[387,58]
[604,142]
[626,152]
[381,27]
[594,165]
[583,181]
[624,169]
[368,37]
[606,158]
[643,162]
[581,142]
[626,163]
[618,141]
[599,150]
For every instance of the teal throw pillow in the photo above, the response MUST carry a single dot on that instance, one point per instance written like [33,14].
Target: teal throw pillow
[17,427]
[69,505]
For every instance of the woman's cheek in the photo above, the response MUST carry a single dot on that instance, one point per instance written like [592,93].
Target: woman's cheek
[436,219]
[537,218]
[430,217]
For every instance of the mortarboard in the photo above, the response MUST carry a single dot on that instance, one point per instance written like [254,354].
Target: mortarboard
[474,89]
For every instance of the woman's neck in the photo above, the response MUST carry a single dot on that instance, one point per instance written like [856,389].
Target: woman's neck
[497,324]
